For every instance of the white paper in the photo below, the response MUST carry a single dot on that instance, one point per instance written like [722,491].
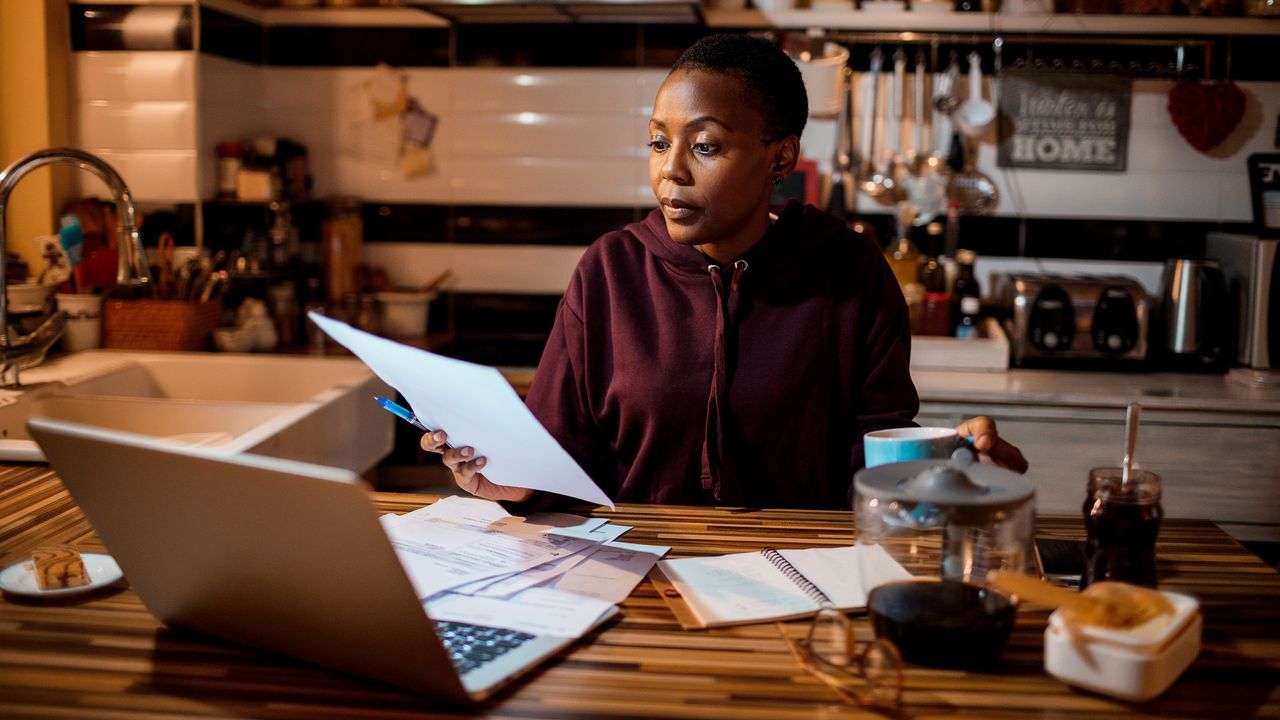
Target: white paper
[846,574]
[507,585]
[477,407]
[538,611]
[747,587]
[740,587]
[611,572]
[439,553]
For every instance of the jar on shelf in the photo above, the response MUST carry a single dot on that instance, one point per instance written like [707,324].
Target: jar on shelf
[343,240]
[230,161]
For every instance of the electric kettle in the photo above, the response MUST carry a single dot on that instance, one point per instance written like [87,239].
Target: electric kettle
[1194,322]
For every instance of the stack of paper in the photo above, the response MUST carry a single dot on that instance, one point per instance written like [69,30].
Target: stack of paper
[470,561]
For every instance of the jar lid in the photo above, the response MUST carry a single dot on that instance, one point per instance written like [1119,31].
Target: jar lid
[959,482]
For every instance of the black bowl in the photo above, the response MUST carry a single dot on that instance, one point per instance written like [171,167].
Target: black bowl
[942,623]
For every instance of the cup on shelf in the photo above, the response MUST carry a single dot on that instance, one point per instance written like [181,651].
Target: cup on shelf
[84,320]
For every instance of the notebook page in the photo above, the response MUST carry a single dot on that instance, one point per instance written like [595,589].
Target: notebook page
[846,574]
[741,587]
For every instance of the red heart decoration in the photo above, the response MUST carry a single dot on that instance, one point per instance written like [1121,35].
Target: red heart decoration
[1205,113]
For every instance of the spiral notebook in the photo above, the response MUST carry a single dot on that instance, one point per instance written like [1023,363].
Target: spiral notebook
[769,585]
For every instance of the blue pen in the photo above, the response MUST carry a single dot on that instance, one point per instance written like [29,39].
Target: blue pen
[402,413]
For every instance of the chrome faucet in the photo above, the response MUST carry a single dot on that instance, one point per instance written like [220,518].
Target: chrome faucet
[132,274]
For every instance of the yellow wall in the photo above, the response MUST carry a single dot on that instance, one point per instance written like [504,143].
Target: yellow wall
[34,55]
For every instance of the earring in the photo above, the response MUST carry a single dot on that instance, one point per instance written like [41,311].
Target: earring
[777,179]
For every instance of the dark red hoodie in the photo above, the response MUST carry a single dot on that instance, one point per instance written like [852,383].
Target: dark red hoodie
[673,380]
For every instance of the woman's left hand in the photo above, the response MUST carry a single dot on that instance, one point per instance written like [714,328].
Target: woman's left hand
[988,442]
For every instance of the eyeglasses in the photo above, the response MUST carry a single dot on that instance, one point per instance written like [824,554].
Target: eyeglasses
[870,675]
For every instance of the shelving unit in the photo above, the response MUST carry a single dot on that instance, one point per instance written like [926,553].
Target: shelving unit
[846,18]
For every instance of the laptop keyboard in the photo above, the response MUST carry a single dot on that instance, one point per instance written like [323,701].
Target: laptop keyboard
[471,646]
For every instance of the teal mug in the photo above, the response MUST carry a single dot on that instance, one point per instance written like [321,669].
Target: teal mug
[896,445]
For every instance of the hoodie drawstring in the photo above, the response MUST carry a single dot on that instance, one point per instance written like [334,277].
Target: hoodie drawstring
[713,459]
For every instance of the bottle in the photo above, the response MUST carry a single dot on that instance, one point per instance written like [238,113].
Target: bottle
[935,306]
[1122,521]
[965,297]
[902,255]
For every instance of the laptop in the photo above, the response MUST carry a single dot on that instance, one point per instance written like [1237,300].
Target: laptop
[275,555]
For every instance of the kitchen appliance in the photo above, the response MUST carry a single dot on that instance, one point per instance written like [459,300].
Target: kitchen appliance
[1252,274]
[979,515]
[1078,322]
[1193,330]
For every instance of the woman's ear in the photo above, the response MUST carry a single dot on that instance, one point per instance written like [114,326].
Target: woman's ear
[786,155]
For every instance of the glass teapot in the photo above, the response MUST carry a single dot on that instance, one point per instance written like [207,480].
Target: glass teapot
[957,519]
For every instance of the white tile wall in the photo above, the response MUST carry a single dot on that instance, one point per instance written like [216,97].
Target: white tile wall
[531,136]
[138,112]
[526,269]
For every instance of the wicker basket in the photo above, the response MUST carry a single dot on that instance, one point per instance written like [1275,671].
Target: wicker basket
[159,324]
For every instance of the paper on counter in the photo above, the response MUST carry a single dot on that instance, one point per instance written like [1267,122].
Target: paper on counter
[439,554]
[477,407]
[611,572]
[515,582]
[538,611]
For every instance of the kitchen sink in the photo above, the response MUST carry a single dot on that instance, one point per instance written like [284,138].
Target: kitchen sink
[318,410]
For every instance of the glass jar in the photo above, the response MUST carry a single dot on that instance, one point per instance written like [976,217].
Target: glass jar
[343,240]
[1122,521]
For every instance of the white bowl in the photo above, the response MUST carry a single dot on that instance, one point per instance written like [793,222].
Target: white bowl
[404,314]
[29,297]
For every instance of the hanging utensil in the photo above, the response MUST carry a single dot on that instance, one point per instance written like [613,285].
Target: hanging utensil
[896,167]
[945,100]
[975,113]
[974,191]
[918,151]
[837,201]
[165,289]
[870,180]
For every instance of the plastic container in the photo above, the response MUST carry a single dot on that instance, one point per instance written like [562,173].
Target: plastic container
[824,79]
[1134,664]
[404,314]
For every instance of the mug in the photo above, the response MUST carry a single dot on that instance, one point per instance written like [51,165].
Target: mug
[895,445]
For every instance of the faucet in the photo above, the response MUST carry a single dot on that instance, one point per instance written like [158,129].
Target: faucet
[133,276]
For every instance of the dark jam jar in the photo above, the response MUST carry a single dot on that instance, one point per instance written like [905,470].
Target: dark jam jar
[1122,521]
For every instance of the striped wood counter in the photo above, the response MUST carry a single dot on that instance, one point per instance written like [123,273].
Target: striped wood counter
[106,657]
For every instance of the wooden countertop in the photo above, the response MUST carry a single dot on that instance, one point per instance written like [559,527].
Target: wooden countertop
[106,657]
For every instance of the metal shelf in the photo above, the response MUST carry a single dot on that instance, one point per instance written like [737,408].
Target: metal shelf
[849,19]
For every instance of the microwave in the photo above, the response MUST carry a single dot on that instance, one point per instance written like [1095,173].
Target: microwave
[1252,273]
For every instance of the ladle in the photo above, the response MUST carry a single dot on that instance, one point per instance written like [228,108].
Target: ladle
[974,113]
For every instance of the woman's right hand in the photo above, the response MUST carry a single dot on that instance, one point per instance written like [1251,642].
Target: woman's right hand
[466,470]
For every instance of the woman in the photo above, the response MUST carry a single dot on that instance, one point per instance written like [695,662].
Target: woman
[715,353]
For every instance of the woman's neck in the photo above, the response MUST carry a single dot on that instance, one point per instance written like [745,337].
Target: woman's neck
[726,252]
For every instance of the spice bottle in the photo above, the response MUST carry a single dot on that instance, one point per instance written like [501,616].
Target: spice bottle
[230,160]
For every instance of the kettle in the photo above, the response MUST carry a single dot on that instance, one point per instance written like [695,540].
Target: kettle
[1194,304]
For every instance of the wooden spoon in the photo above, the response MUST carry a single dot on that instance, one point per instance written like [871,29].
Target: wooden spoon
[1107,604]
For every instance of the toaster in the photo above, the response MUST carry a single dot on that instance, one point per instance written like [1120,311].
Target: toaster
[1076,321]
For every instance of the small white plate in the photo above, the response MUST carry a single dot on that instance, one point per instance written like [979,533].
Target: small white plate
[20,579]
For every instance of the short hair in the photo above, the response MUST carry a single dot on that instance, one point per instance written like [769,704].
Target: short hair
[768,74]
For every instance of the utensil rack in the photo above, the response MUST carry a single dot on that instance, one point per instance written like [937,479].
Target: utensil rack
[996,48]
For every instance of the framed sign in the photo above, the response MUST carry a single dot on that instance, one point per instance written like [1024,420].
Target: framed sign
[1264,185]
[1064,121]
